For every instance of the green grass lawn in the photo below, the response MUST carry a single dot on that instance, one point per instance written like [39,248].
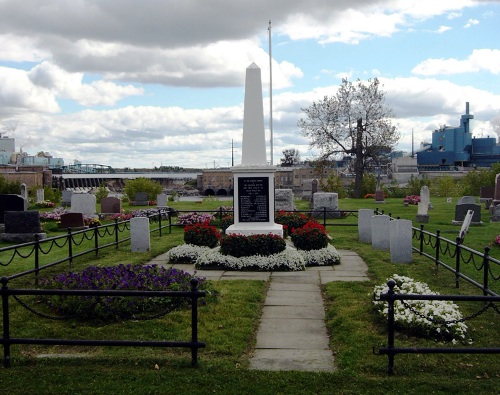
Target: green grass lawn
[229,329]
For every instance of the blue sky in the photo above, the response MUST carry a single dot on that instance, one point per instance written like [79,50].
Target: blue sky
[113,83]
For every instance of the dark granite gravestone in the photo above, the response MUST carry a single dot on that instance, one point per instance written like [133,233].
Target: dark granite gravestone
[486,193]
[461,212]
[141,199]
[11,202]
[22,226]
[72,220]
[496,196]
[111,205]
[379,196]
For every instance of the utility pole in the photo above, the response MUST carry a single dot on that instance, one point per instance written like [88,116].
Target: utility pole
[270,93]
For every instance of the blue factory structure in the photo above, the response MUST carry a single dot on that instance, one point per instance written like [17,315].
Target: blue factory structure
[454,147]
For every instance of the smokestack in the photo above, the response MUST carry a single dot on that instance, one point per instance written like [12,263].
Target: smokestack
[467,108]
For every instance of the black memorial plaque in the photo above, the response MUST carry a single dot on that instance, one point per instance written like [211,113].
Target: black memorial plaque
[253,199]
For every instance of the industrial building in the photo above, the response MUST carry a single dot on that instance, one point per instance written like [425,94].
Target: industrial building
[453,148]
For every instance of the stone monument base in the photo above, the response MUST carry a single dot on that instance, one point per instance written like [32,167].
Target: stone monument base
[255,229]
[21,237]
[422,218]
[471,224]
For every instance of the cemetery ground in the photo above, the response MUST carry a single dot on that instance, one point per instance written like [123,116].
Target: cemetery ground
[229,329]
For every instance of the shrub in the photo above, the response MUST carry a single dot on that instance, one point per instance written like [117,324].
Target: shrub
[226,222]
[101,193]
[201,235]
[291,220]
[141,184]
[412,199]
[429,318]
[312,236]
[195,218]
[260,244]
[120,277]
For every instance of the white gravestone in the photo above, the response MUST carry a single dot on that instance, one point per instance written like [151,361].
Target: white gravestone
[400,241]
[283,200]
[162,200]
[465,225]
[325,200]
[380,232]
[423,205]
[365,225]
[139,234]
[40,195]
[84,203]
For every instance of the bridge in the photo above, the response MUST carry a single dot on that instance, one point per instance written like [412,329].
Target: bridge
[87,169]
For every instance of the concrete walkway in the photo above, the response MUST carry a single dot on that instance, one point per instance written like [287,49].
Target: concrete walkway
[292,334]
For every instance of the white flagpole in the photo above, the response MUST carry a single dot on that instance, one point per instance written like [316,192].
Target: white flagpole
[270,93]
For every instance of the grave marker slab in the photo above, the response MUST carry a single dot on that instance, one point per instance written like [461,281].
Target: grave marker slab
[328,201]
[11,202]
[379,196]
[461,211]
[162,200]
[423,205]
[74,221]
[22,226]
[365,225]
[283,200]
[141,199]
[111,205]
[139,234]
[83,203]
[40,195]
[400,241]
[66,198]
[486,193]
[380,232]
[24,191]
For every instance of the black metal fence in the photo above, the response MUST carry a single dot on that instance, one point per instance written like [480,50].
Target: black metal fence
[103,236]
[8,339]
[453,255]
[391,350]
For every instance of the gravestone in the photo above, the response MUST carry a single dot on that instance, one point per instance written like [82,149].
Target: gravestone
[379,196]
[380,232]
[486,193]
[400,241]
[111,205]
[328,201]
[83,203]
[74,221]
[66,198]
[467,200]
[141,199]
[495,213]
[22,227]
[365,225]
[496,197]
[40,195]
[162,200]
[139,234]
[423,205]
[11,202]
[283,200]
[461,211]
[24,191]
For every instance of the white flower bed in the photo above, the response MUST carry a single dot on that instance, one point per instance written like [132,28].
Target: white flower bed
[434,309]
[289,259]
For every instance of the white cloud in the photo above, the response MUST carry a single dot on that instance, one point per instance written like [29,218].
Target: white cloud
[443,29]
[478,60]
[471,22]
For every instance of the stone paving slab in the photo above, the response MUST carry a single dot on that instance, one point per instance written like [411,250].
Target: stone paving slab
[293,298]
[301,341]
[292,325]
[293,287]
[305,312]
[291,359]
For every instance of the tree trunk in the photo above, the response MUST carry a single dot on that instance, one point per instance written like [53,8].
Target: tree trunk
[358,163]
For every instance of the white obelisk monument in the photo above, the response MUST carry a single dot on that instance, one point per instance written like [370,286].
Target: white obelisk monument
[253,180]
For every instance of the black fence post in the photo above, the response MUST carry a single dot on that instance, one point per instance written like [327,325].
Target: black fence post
[6,322]
[169,223]
[70,248]
[96,239]
[438,246]
[324,216]
[458,253]
[421,248]
[159,221]
[194,322]
[37,257]
[486,269]
[390,326]
[116,232]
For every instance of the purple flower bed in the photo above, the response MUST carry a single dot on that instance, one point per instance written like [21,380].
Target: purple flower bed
[195,218]
[120,277]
